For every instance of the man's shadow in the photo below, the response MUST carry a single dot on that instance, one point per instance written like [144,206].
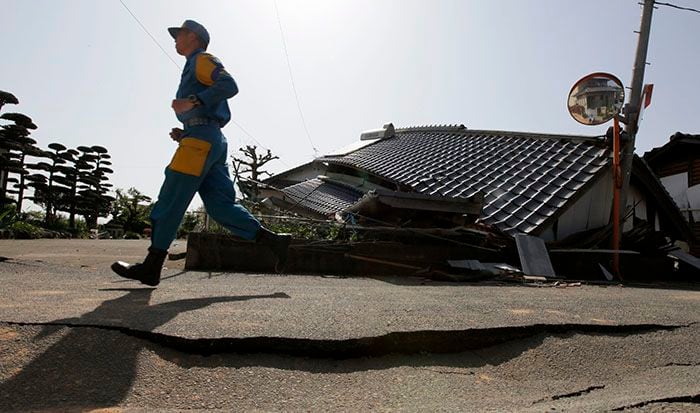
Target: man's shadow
[89,367]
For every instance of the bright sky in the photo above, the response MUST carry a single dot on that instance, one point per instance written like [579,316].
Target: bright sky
[88,74]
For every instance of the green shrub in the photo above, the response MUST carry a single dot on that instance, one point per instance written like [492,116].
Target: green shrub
[309,230]
[58,227]
[189,223]
[81,229]
[12,223]
[300,228]
[8,215]
[25,230]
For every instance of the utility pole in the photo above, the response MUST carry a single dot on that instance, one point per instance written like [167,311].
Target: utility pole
[633,107]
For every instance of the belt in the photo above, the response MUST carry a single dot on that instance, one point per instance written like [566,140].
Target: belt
[200,122]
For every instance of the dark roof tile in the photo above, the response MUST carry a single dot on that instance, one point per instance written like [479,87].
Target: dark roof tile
[321,196]
[526,178]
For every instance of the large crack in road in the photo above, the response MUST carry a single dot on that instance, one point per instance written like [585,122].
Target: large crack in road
[693,399]
[401,342]
[63,366]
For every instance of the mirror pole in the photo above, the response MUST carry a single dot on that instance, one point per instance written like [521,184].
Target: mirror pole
[617,184]
[634,104]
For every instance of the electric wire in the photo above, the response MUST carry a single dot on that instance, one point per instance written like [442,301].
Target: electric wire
[677,7]
[291,78]
[256,141]
[308,135]
[150,35]
[180,68]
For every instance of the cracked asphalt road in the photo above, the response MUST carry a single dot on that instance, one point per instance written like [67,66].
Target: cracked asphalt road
[89,360]
[88,368]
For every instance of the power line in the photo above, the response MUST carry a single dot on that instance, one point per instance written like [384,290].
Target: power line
[291,78]
[677,7]
[256,141]
[180,68]
[149,34]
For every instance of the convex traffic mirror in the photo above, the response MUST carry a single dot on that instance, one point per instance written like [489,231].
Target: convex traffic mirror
[596,98]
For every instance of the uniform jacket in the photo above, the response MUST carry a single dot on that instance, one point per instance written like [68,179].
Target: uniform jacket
[205,77]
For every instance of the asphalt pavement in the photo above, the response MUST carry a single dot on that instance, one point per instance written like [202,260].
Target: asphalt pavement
[75,336]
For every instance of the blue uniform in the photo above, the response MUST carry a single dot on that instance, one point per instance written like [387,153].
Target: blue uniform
[199,164]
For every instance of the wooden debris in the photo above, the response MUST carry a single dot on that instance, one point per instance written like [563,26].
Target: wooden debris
[380,261]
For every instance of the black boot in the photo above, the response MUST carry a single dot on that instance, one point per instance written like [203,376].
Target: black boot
[278,243]
[148,272]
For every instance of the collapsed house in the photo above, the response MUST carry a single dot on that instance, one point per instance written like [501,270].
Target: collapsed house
[481,189]
[677,164]
[550,186]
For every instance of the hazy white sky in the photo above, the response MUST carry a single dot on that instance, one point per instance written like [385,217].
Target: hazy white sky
[88,74]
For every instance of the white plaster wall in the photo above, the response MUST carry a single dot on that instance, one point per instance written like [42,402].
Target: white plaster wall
[685,197]
[693,196]
[677,186]
[305,173]
[592,210]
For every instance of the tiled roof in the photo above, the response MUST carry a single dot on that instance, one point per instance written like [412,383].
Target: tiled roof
[322,196]
[675,145]
[526,178]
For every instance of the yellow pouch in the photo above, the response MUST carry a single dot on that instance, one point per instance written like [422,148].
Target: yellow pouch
[190,156]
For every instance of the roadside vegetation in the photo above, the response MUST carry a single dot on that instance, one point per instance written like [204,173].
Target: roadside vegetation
[69,185]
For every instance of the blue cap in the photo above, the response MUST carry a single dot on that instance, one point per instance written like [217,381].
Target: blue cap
[195,28]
